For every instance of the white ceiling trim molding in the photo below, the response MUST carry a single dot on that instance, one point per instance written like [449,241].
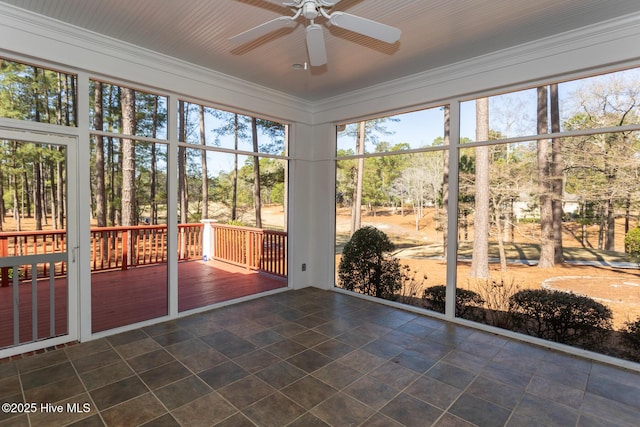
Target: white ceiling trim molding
[609,44]
[43,39]
[594,48]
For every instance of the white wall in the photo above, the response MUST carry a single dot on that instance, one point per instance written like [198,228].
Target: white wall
[311,221]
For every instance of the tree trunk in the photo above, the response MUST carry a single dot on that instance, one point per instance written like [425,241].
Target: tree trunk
[508,230]
[111,208]
[17,214]
[37,194]
[182,164]
[356,215]
[118,168]
[45,196]
[557,173]
[60,192]
[36,95]
[602,226]
[627,213]
[234,195]
[71,90]
[500,237]
[2,207]
[54,200]
[445,182]
[203,160]
[128,158]
[465,225]
[547,247]
[153,211]
[26,193]
[257,202]
[111,156]
[60,79]
[610,241]
[98,123]
[480,258]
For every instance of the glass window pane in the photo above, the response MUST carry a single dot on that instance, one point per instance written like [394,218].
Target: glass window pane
[417,129]
[608,100]
[510,115]
[243,236]
[129,242]
[33,222]
[37,94]
[403,197]
[218,128]
[544,229]
[119,109]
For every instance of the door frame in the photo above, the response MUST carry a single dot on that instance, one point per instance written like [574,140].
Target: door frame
[70,142]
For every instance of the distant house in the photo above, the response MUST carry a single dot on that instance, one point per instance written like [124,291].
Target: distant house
[526,207]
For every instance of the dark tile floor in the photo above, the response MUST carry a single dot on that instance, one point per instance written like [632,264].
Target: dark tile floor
[314,358]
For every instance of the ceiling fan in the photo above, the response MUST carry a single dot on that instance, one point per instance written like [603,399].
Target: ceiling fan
[310,10]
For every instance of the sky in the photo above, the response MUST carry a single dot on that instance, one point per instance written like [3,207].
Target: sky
[512,114]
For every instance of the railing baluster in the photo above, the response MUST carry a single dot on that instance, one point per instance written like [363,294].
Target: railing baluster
[16,306]
[4,252]
[52,302]
[125,249]
[34,302]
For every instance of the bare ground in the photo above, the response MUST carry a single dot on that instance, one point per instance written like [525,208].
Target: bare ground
[617,288]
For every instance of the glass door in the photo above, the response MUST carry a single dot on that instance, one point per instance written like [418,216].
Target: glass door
[37,247]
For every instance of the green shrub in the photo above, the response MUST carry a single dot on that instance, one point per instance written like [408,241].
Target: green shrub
[562,317]
[630,339]
[467,301]
[367,267]
[632,244]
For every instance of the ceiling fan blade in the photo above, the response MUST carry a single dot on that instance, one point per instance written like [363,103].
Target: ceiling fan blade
[367,27]
[328,3]
[263,29]
[315,45]
[285,3]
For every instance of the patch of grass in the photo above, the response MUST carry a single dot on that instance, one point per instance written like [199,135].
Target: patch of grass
[526,251]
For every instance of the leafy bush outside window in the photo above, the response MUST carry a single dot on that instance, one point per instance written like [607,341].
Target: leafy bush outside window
[561,317]
[632,244]
[367,266]
[467,301]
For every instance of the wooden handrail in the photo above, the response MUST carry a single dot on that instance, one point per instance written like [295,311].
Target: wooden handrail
[251,248]
[122,247]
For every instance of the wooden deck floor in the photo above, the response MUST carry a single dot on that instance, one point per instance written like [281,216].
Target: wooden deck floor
[121,298]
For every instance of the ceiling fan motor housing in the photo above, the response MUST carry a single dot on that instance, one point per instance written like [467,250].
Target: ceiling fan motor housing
[310,10]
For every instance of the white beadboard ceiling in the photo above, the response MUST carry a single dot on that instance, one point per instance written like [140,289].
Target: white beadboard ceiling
[435,33]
